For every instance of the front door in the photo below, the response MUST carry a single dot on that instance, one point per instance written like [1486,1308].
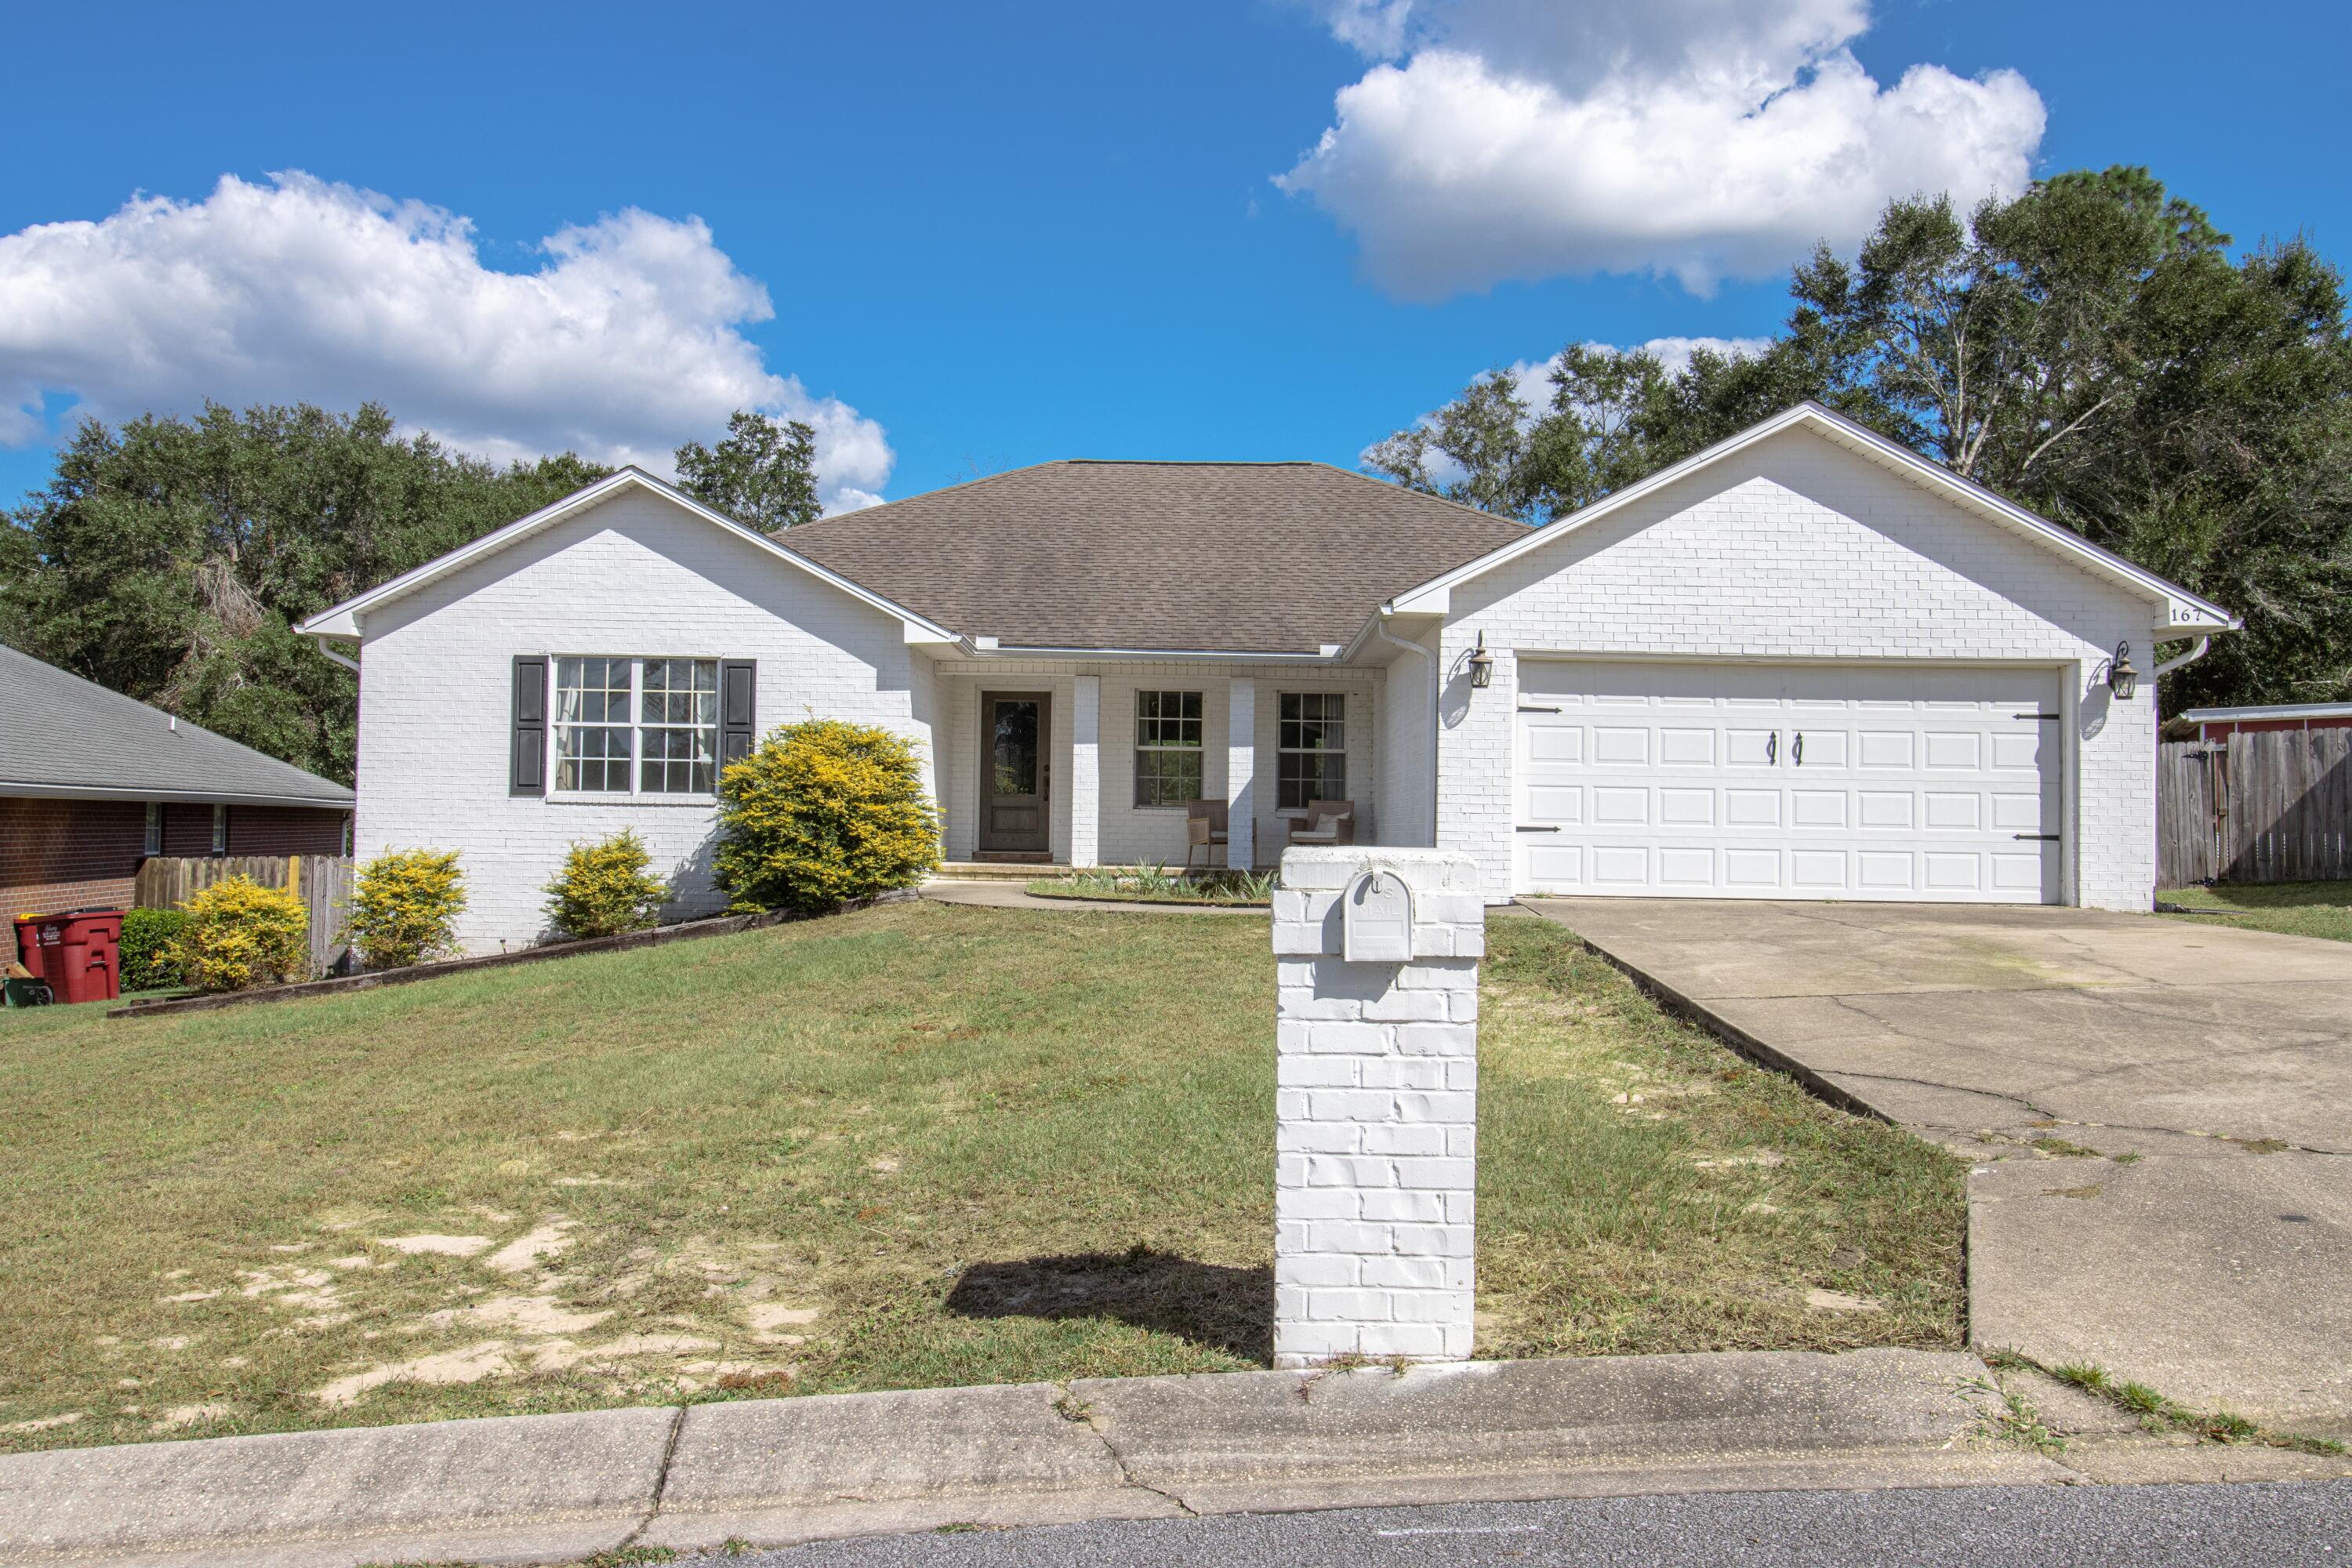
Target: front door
[1015,773]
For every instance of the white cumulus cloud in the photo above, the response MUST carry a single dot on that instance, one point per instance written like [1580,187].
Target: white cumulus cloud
[1496,140]
[626,341]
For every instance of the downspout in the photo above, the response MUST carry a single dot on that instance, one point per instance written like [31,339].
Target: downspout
[1380,631]
[2192,656]
[351,664]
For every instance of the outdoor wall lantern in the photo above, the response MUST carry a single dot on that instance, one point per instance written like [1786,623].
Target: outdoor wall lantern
[1482,665]
[2122,678]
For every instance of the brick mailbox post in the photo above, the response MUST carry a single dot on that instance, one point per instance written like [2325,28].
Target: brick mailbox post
[1376,954]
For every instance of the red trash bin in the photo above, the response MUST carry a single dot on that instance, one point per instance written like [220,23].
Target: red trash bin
[81,956]
[28,943]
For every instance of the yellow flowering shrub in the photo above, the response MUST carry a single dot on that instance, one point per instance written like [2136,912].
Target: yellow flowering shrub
[823,812]
[239,933]
[605,889]
[405,907]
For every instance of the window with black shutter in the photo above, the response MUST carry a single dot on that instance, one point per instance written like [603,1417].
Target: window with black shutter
[527,756]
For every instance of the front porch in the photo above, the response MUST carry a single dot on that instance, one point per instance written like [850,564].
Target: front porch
[1044,765]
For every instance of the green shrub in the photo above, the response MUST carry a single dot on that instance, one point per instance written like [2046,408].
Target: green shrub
[149,962]
[404,908]
[604,888]
[824,811]
[238,933]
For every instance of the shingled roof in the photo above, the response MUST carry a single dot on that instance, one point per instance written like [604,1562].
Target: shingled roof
[1208,557]
[72,737]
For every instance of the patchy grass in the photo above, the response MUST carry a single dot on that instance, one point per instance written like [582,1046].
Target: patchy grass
[2159,1414]
[918,1145]
[2292,908]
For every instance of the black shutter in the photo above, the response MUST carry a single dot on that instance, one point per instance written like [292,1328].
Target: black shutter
[527,758]
[739,708]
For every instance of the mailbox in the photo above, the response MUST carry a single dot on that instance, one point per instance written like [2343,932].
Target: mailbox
[1375,919]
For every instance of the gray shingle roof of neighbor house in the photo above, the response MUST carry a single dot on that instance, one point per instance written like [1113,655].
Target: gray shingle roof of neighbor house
[62,735]
[1204,557]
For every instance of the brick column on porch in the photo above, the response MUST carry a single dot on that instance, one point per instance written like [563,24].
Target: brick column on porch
[1086,769]
[1241,775]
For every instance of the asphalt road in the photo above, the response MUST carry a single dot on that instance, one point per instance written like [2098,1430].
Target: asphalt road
[1969,1527]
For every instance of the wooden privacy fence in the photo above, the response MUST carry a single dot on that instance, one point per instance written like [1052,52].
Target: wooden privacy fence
[2272,807]
[324,883]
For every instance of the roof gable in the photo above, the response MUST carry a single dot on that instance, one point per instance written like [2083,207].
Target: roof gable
[345,620]
[2178,610]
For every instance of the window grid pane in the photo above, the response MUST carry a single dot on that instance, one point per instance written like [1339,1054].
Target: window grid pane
[1311,739]
[1167,763]
[679,746]
[592,715]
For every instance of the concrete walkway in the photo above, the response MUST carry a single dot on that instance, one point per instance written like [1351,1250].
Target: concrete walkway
[2205,1246]
[773,1472]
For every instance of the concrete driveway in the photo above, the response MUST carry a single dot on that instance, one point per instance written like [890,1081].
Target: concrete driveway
[2205,1248]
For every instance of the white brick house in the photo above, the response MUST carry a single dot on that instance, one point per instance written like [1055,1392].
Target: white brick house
[1804,663]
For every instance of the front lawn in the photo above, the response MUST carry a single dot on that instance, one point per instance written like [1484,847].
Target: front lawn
[921,1144]
[2294,909]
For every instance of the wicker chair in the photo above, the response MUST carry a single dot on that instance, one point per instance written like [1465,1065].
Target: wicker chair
[1325,822]
[1204,830]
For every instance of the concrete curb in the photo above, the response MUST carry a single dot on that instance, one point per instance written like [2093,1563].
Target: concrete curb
[556,1488]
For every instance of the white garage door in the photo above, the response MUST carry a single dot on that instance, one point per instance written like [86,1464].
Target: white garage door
[1789,781]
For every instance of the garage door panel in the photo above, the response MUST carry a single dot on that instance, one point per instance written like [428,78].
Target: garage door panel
[1887,749]
[1883,810]
[1621,865]
[1816,808]
[1688,778]
[1562,804]
[1615,745]
[1681,747]
[1817,870]
[1816,750]
[1562,744]
[1945,809]
[1685,867]
[1685,807]
[1954,749]
[1886,871]
[1621,806]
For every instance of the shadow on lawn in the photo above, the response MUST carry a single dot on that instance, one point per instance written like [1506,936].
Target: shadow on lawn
[1209,1304]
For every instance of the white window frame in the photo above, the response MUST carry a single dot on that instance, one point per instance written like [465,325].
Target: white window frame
[636,793]
[220,830]
[1345,722]
[1198,750]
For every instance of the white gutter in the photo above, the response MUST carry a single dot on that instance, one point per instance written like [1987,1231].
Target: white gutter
[351,664]
[2192,656]
[1160,655]
[15,789]
[1379,628]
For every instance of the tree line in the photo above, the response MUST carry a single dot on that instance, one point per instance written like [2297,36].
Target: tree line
[2090,350]
[171,558]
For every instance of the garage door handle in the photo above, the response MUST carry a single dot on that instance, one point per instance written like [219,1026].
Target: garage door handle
[2037,715]
[2043,837]
[1772,748]
[1798,751]
[1531,708]
[1524,827]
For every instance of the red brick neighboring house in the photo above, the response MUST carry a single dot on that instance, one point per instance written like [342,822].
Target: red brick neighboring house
[93,783]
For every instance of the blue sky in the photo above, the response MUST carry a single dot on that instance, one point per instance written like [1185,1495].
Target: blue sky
[995,233]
